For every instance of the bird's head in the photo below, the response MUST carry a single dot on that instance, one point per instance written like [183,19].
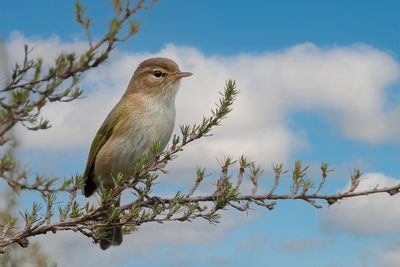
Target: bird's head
[156,76]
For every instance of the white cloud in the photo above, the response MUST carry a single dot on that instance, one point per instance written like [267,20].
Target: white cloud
[45,48]
[389,255]
[344,84]
[389,259]
[366,215]
[247,245]
[382,254]
[301,245]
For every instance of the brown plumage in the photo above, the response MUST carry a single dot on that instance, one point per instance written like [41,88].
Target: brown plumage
[144,115]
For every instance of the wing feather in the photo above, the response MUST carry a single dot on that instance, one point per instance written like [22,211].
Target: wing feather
[103,134]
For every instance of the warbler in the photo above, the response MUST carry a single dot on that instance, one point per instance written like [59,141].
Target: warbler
[144,115]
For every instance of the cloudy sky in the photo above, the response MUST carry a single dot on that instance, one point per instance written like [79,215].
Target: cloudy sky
[318,81]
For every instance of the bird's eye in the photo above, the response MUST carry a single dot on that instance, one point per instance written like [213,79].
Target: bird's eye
[158,74]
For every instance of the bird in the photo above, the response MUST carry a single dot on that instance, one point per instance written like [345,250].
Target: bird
[144,116]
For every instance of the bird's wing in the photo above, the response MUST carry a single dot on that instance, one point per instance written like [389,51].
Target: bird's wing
[100,139]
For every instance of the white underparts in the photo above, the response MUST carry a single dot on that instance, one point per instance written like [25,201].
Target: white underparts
[154,125]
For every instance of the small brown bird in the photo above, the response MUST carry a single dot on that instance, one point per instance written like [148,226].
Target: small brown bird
[144,116]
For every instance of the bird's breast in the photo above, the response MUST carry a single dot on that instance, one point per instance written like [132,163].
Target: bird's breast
[142,131]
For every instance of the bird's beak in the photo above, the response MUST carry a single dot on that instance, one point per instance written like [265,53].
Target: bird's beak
[179,75]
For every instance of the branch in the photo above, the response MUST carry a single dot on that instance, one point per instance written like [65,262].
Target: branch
[90,220]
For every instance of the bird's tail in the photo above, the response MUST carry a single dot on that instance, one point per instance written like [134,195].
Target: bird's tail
[113,235]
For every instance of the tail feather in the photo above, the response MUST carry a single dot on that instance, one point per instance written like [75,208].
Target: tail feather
[117,236]
[89,187]
[113,235]
[106,241]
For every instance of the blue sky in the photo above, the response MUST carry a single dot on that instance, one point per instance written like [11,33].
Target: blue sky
[226,27]
[322,85]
